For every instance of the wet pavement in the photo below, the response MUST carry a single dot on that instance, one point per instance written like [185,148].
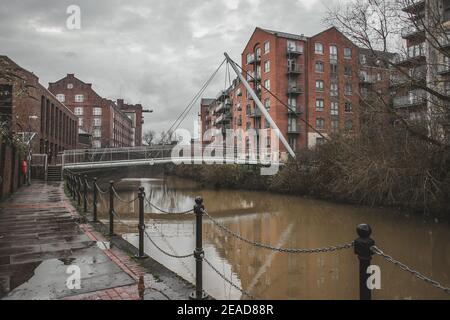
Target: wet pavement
[40,238]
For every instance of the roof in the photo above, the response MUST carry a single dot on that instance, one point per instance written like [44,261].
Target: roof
[207,101]
[285,34]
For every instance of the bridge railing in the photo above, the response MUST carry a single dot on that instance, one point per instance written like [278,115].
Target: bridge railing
[205,154]
[363,246]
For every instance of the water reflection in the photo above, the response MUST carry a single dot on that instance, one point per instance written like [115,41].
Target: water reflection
[286,222]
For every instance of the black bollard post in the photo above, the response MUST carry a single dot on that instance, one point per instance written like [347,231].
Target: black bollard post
[94,205]
[79,190]
[198,294]
[141,226]
[72,178]
[111,208]
[364,253]
[85,193]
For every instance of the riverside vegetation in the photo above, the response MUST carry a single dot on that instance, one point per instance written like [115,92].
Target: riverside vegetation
[390,168]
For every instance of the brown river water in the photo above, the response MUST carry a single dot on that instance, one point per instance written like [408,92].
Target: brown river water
[290,222]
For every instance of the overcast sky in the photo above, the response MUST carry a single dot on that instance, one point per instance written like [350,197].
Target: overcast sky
[154,52]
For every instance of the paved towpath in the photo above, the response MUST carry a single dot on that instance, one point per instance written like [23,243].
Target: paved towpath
[42,237]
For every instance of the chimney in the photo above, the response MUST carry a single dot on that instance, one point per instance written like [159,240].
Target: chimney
[120,103]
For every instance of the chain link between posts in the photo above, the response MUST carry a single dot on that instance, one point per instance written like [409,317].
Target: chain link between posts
[167,212]
[404,267]
[122,200]
[165,252]
[244,292]
[269,247]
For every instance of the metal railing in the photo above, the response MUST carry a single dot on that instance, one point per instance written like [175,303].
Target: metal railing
[364,246]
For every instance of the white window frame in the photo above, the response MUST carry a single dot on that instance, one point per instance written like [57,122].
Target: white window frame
[320,105]
[61,97]
[267,84]
[334,108]
[320,87]
[319,45]
[79,98]
[78,111]
[95,111]
[267,66]
[266,47]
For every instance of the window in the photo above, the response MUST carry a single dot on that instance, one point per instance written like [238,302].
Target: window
[79,98]
[348,71]
[250,58]
[97,111]
[334,89]
[379,77]
[267,66]
[292,124]
[97,133]
[334,69]
[320,123]
[267,104]
[318,48]
[319,85]
[96,144]
[334,108]
[97,122]
[293,143]
[333,53]
[79,111]
[266,47]
[348,107]
[292,102]
[363,59]
[267,84]
[347,53]
[319,66]
[80,122]
[61,97]
[348,89]
[258,53]
[319,105]
[334,125]
[348,125]
[69,86]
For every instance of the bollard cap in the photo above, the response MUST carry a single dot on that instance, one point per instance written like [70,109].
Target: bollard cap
[364,230]
[199,200]
[95,179]
[111,182]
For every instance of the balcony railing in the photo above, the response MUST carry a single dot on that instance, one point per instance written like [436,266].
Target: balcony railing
[222,95]
[293,130]
[295,110]
[367,78]
[443,69]
[251,76]
[294,90]
[253,58]
[297,50]
[413,99]
[294,69]
[412,31]
[256,113]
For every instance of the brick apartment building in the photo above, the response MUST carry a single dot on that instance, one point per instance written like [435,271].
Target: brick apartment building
[36,109]
[109,126]
[318,77]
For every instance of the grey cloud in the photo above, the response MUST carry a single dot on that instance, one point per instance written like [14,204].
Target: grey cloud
[158,52]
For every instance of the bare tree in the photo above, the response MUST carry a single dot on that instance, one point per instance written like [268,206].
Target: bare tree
[379,26]
[149,137]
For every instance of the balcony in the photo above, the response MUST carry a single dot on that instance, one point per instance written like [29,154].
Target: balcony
[223,106]
[294,70]
[417,76]
[294,110]
[415,56]
[413,31]
[223,119]
[443,69]
[416,7]
[222,95]
[294,50]
[414,99]
[367,79]
[256,113]
[294,90]
[293,130]
[253,58]
[251,76]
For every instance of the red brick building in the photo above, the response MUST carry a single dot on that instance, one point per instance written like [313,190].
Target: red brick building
[135,113]
[109,126]
[318,77]
[35,109]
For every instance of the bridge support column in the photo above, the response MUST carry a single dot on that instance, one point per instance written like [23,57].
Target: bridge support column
[363,246]
[198,294]
[111,208]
